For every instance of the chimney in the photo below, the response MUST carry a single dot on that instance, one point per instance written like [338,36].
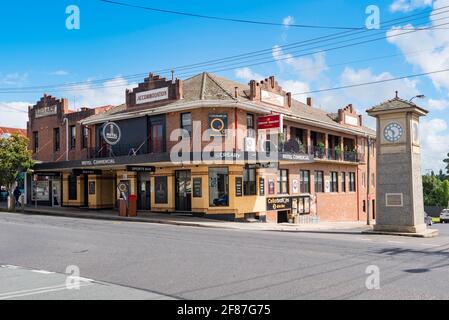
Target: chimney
[252,90]
[309,102]
[236,92]
[173,76]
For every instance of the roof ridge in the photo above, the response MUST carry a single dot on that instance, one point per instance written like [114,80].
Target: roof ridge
[219,85]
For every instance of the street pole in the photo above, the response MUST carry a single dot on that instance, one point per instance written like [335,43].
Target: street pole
[368,182]
[66,121]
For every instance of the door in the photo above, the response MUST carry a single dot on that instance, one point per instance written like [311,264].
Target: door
[143,201]
[56,193]
[183,190]
[86,191]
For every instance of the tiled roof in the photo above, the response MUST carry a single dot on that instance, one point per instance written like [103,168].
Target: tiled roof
[393,104]
[10,131]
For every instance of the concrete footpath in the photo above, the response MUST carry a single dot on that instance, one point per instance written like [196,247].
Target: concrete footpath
[190,221]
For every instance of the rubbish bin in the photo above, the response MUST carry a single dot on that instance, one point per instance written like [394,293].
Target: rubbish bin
[122,207]
[132,205]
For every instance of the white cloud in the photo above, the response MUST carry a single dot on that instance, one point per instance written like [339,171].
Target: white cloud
[59,73]
[435,40]
[437,104]
[111,92]
[287,21]
[14,79]
[435,143]
[409,5]
[294,86]
[14,114]
[308,68]
[247,74]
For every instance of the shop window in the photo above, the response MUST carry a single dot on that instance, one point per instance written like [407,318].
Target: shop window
[35,141]
[73,192]
[72,137]
[85,137]
[186,123]
[302,205]
[56,139]
[250,126]
[319,182]
[304,181]
[218,187]
[249,181]
[283,181]
[334,181]
[343,182]
[352,182]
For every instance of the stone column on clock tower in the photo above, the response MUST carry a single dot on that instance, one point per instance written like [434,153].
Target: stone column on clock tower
[400,207]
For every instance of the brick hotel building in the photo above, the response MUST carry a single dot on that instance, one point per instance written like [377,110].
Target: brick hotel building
[320,168]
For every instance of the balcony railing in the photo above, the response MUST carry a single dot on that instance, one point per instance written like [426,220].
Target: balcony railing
[117,150]
[319,152]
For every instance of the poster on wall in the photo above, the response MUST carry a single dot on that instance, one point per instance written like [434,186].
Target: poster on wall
[160,189]
[295,186]
[271,186]
[197,188]
[41,191]
[238,186]
[218,124]
[262,186]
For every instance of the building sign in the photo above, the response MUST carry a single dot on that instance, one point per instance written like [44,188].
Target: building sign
[296,157]
[270,122]
[283,203]
[160,189]
[46,111]
[111,133]
[86,163]
[353,121]
[141,168]
[152,95]
[394,199]
[271,186]
[272,98]
[78,172]
[218,124]
[261,186]
[197,188]
[238,186]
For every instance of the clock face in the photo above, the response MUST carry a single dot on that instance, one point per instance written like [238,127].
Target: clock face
[393,132]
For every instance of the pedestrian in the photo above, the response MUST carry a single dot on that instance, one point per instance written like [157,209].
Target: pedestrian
[17,195]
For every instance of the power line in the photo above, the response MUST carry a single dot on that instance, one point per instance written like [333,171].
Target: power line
[227,59]
[371,82]
[226,19]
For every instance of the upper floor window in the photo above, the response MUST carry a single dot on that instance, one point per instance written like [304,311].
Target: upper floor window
[56,139]
[283,181]
[343,181]
[35,141]
[334,181]
[250,125]
[319,181]
[352,181]
[85,137]
[72,137]
[249,181]
[304,181]
[186,122]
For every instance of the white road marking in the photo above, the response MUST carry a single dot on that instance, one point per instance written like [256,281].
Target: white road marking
[398,242]
[22,293]
[365,239]
[42,271]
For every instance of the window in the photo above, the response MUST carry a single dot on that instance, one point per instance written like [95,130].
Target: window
[35,141]
[334,181]
[72,137]
[249,181]
[283,181]
[56,139]
[72,187]
[351,181]
[319,183]
[363,179]
[303,206]
[372,180]
[186,123]
[85,137]
[343,182]
[364,206]
[218,187]
[304,181]
[250,126]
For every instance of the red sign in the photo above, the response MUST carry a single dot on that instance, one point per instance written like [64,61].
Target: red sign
[269,122]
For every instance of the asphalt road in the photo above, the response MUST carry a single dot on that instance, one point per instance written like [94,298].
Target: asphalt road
[152,261]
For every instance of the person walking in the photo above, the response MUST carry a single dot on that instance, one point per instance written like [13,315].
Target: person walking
[17,195]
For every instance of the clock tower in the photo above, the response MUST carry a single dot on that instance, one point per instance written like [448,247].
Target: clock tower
[400,203]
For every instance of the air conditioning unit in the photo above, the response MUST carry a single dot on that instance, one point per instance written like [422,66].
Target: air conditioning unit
[250,144]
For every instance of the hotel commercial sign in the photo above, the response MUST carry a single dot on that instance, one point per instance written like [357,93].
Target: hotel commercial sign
[152,95]
[272,98]
[46,111]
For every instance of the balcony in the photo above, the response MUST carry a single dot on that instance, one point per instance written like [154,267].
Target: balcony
[321,153]
[117,150]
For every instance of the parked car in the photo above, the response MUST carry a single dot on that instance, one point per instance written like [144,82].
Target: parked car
[444,216]
[427,219]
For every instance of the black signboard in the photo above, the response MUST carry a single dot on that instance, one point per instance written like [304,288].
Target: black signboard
[47,174]
[197,188]
[141,168]
[78,172]
[91,187]
[261,186]
[282,203]
[218,124]
[160,189]
[238,186]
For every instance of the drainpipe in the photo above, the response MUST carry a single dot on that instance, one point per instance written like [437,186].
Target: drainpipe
[368,181]
[66,121]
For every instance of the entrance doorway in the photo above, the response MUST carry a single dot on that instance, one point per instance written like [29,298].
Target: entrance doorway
[374,209]
[56,193]
[143,199]
[86,191]
[183,190]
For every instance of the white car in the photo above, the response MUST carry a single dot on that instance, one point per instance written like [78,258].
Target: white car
[444,216]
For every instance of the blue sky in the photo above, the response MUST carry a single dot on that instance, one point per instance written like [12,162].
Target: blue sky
[113,42]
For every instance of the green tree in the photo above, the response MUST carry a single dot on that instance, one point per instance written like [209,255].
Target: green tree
[431,185]
[446,161]
[14,158]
